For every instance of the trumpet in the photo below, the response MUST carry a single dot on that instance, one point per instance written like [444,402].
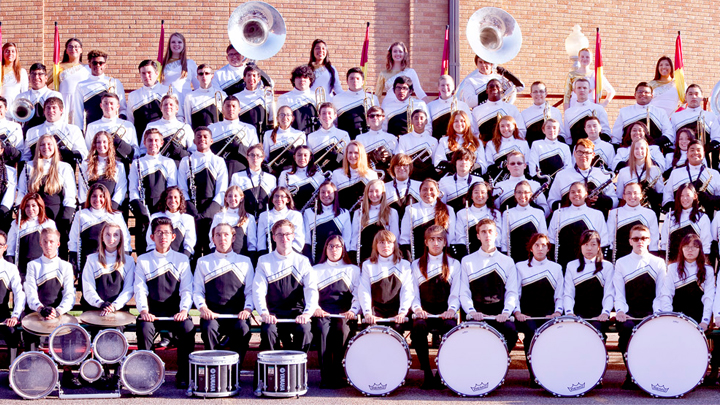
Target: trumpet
[409,115]
[339,146]
[112,88]
[289,145]
[268,103]
[174,140]
[319,97]
[368,99]
[22,110]
[700,127]
[453,104]
[119,133]
[230,140]
[546,111]
[218,105]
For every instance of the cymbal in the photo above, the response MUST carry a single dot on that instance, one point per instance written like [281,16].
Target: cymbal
[113,319]
[37,325]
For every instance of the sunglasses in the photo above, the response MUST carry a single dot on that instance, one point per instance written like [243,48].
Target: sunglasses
[641,238]
[98,62]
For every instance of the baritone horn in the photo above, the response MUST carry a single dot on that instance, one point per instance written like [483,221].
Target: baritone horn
[494,35]
[256,30]
[22,110]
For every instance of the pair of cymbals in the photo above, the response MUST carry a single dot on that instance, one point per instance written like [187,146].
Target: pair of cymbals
[38,325]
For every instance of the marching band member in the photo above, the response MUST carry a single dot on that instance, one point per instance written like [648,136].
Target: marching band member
[379,144]
[487,114]
[230,78]
[355,173]
[37,95]
[694,116]
[280,142]
[540,292]
[397,64]
[506,138]
[163,288]
[283,209]
[436,286]
[490,284]
[11,137]
[72,71]
[70,142]
[638,281]
[678,158]
[243,224]
[124,137]
[686,218]
[386,285]
[665,92]
[538,113]
[86,101]
[399,105]
[576,116]
[201,108]
[506,188]
[328,143]
[304,176]
[481,206]
[8,185]
[634,133]
[254,182]
[549,156]
[177,136]
[430,210]
[222,284]
[144,103]
[353,104]
[301,100]
[14,78]
[102,167]
[642,170]
[327,218]
[255,109]
[401,191]
[177,70]
[568,223]
[285,287]
[660,130]
[705,179]
[455,187]
[86,229]
[337,280]
[23,241]
[374,215]
[326,76]
[459,135]
[585,71]
[473,89]
[203,179]
[520,223]
[442,108]
[419,145]
[232,138]
[10,277]
[584,172]
[605,150]
[622,219]
[588,289]
[172,205]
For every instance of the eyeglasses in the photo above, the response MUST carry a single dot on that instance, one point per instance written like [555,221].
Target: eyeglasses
[205,73]
[98,62]
[284,115]
[640,238]
[255,155]
[584,153]
[166,233]
[335,247]
[2,245]
[376,116]
[516,163]
[285,235]
[404,88]
[37,74]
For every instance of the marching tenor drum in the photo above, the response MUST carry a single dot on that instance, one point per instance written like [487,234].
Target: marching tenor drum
[473,359]
[281,373]
[568,356]
[33,375]
[667,354]
[91,370]
[69,344]
[110,346]
[377,360]
[142,372]
[214,373]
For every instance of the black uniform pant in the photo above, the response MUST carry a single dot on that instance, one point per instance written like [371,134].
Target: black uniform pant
[184,331]
[508,330]
[142,222]
[11,336]
[419,336]
[237,330]
[333,336]
[528,329]
[624,332]
[294,336]
[203,222]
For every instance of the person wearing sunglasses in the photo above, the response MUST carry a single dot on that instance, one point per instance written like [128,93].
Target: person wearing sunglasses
[86,102]
[202,107]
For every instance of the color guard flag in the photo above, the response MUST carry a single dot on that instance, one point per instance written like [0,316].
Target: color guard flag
[679,69]
[161,44]
[445,67]
[598,67]
[365,50]
[56,59]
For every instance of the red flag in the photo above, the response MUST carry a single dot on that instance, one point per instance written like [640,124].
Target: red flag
[161,45]
[3,68]
[445,67]
[598,67]
[679,69]
[56,59]
[365,50]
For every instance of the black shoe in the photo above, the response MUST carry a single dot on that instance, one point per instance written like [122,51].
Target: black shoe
[325,385]
[629,384]
[711,379]
[70,381]
[181,384]
[428,382]
[164,342]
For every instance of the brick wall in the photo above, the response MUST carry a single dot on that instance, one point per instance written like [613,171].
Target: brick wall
[634,35]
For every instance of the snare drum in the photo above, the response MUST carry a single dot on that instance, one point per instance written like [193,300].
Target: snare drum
[33,375]
[91,370]
[667,354]
[69,344]
[214,373]
[142,372]
[110,346]
[568,356]
[281,373]
[472,359]
[377,360]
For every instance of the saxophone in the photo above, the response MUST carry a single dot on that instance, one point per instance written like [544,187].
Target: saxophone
[705,184]
[644,202]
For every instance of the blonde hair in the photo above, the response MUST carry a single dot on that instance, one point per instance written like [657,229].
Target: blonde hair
[362,165]
[168,55]
[390,62]
[120,247]
[52,182]
[384,215]
[242,214]
[632,162]
[385,236]
[93,157]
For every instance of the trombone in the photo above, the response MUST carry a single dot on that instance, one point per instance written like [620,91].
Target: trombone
[268,103]
[319,97]
[368,99]
[409,115]
[289,145]
[180,133]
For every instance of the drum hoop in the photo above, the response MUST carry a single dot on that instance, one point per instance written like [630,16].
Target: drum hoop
[112,332]
[82,368]
[55,374]
[138,353]
[51,344]
[281,357]
[220,358]
[382,330]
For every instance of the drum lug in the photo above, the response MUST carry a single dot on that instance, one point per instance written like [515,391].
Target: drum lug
[189,391]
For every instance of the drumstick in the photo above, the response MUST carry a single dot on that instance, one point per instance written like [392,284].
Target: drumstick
[387,319]
[436,316]
[492,318]
[338,316]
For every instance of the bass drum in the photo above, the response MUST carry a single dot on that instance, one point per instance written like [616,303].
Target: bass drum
[33,375]
[142,372]
[377,360]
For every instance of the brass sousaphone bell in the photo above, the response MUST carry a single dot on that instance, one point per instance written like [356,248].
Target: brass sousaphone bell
[256,30]
[494,35]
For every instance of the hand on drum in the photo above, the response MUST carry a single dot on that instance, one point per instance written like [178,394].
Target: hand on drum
[349,315]
[475,316]
[207,314]
[51,313]
[369,319]
[554,315]
[519,316]
[420,313]
[147,316]
[245,314]
[502,318]
[449,314]
[621,317]
[319,313]
[603,317]
[11,322]
[180,316]
[303,319]
[402,317]
[107,310]
[267,318]
[703,326]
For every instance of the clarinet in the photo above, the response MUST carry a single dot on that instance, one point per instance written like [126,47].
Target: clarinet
[557,237]
[314,232]
[269,239]
[412,237]
[359,241]
[191,179]
[141,186]
[507,225]
[79,242]
[600,189]
[617,220]
[467,227]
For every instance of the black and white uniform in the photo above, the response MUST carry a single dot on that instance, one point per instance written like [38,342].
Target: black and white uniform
[643,177]
[8,185]
[490,286]
[181,86]
[592,177]
[454,189]
[588,293]
[85,233]
[548,157]
[519,224]
[365,236]
[88,94]
[37,98]
[183,144]
[473,89]
[256,188]
[687,295]
[306,185]
[440,115]
[605,150]
[286,287]
[566,226]
[434,295]
[163,287]
[682,161]
[689,117]
[350,106]
[638,281]
[333,140]
[231,140]
[420,148]
[351,187]
[400,194]
[254,109]
[534,119]
[473,215]
[11,136]
[144,107]
[319,228]
[386,288]
[200,107]
[265,225]
[104,285]
[660,125]
[322,79]
[58,207]
[337,284]
[245,235]
[23,242]
[117,185]
[397,114]
[622,219]
[283,138]
[12,86]
[223,284]
[126,147]
[377,142]
[71,143]
[386,81]
[10,282]
[302,104]
[418,217]
[184,229]
[442,152]
[230,79]
[506,199]
[49,283]
[623,154]
[674,231]
[486,118]
[507,145]
[698,176]
[576,116]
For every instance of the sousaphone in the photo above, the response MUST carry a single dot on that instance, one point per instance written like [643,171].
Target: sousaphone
[494,35]
[256,30]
